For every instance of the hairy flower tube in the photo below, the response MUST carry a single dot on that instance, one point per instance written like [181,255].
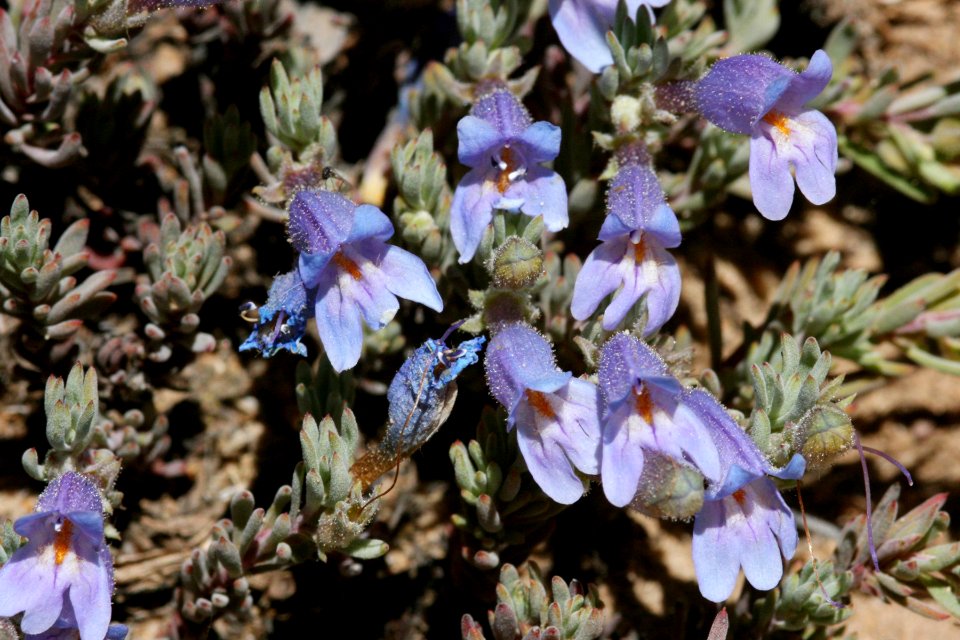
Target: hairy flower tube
[555,413]
[632,259]
[582,26]
[754,95]
[350,271]
[645,409]
[504,148]
[744,521]
[62,578]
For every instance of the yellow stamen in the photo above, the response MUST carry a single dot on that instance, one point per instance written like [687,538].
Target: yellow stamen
[346,264]
[778,121]
[740,496]
[540,404]
[61,544]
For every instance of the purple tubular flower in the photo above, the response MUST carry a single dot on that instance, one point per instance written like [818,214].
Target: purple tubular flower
[632,260]
[62,578]
[754,95]
[555,413]
[504,149]
[645,409]
[749,528]
[582,26]
[741,462]
[744,521]
[352,273]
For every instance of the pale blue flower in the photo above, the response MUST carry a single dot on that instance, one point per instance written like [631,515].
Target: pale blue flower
[504,148]
[350,271]
[582,26]
[754,95]
[750,528]
[62,578]
[645,409]
[633,260]
[744,521]
[555,414]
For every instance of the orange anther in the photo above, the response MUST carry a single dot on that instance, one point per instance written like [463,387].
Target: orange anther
[638,251]
[644,405]
[507,161]
[779,121]
[540,404]
[346,264]
[61,544]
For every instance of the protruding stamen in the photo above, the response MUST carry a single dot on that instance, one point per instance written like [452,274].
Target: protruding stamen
[866,484]
[889,458]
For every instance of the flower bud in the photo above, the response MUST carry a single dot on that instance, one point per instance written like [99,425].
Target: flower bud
[517,264]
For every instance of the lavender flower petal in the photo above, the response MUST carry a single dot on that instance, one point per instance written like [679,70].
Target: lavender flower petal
[540,142]
[338,323]
[770,179]
[407,277]
[517,359]
[621,457]
[475,138]
[319,221]
[738,91]
[370,222]
[809,84]
[751,528]
[815,156]
[541,193]
[582,26]
[599,277]
[471,211]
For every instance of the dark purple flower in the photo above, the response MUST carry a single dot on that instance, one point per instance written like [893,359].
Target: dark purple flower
[582,26]
[504,149]
[645,409]
[555,413]
[62,578]
[351,272]
[632,260]
[754,95]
